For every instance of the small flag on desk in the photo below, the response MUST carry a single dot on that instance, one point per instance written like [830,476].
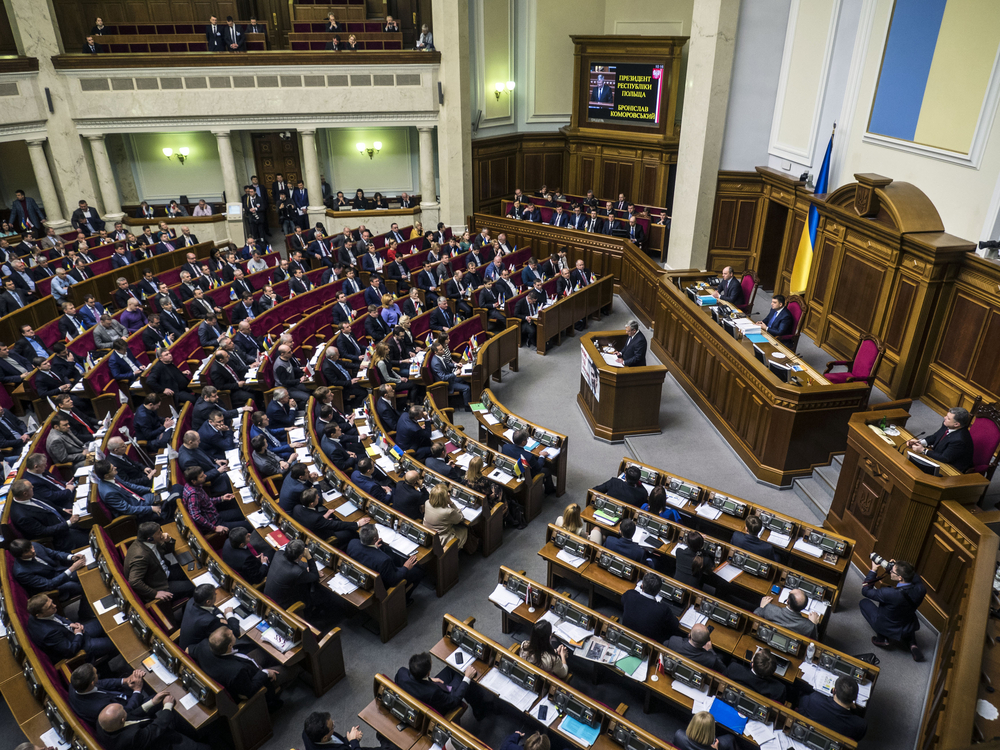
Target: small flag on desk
[232,295]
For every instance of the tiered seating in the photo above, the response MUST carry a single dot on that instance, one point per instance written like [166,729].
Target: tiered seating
[167,37]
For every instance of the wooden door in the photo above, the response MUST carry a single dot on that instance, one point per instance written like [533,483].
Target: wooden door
[275,14]
[273,155]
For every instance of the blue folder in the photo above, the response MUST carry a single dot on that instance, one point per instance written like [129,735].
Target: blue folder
[728,716]
[757,338]
[583,732]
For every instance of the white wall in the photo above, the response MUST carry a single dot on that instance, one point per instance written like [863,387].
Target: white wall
[158,179]
[391,171]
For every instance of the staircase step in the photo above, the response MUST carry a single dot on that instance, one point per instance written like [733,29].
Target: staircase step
[838,460]
[814,495]
[827,476]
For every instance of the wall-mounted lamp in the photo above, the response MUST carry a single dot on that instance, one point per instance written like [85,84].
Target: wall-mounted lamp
[372,150]
[182,153]
[500,88]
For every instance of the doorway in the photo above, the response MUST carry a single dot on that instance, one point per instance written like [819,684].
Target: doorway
[273,154]
[771,243]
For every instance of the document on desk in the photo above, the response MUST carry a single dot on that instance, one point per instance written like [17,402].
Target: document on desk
[490,419]
[120,618]
[583,733]
[506,600]
[759,732]
[189,701]
[728,572]
[258,519]
[500,477]
[810,549]
[508,434]
[552,713]
[612,359]
[463,460]
[693,617]
[507,690]
[634,668]
[346,508]
[436,434]
[707,511]
[778,539]
[819,678]
[205,578]
[695,694]
[551,452]
[341,585]
[644,539]
[297,435]
[236,477]
[154,665]
[233,456]
[398,542]
[569,559]
[461,665]
[386,464]
[51,739]
[676,500]
[472,514]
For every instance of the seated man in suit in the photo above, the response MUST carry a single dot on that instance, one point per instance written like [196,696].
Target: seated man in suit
[293,577]
[275,440]
[299,479]
[335,374]
[633,354]
[36,519]
[225,378]
[318,731]
[951,444]
[332,445]
[730,289]
[629,490]
[362,476]
[64,447]
[698,648]
[59,638]
[192,454]
[456,289]
[13,433]
[216,437]
[88,695]
[409,496]
[749,539]
[759,676]
[834,711]
[624,545]
[289,374]
[342,310]
[168,379]
[367,550]
[202,617]
[444,372]
[647,615]
[150,426]
[208,331]
[47,488]
[124,499]
[791,616]
[268,462]
[515,449]
[892,610]
[115,732]
[411,436]
[635,232]
[281,412]
[149,573]
[438,462]
[778,322]
[242,676]
[441,318]
[241,557]
[385,406]
[443,693]
[324,523]
[38,569]
[123,364]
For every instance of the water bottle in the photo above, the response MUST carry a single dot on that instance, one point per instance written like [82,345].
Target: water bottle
[810,652]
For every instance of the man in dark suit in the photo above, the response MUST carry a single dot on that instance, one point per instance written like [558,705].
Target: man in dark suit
[602,92]
[410,435]
[952,443]
[121,258]
[385,406]
[730,289]
[13,433]
[624,545]
[150,426]
[232,37]
[115,732]
[527,310]
[191,454]
[759,676]
[238,555]
[38,569]
[779,322]
[90,47]
[749,539]
[580,275]
[241,675]
[409,496]
[154,335]
[250,346]
[441,318]
[444,693]
[60,638]
[892,610]
[342,311]
[293,577]
[635,232]
[628,491]
[697,647]
[333,447]
[834,711]
[335,374]
[647,615]
[151,576]
[298,481]
[633,354]
[324,523]
[559,218]
[47,488]
[225,378]
[515,449]
[202,617]
[36,519]
[213,36]
[318,734]
[88,695]
[366,549]
[166,378]
[594,225]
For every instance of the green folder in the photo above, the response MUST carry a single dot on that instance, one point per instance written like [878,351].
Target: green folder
[629,664]
[602,516]
[477,407]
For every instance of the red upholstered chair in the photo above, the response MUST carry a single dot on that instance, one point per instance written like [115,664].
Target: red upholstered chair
[985,432]
[863,366]
[750,285]
[796,307]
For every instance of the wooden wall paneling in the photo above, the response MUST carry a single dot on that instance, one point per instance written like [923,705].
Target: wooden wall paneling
[986,369]
[273,156]
[900,311]
[76,17]
[736,221]
[649,184]
[858,289]
[962,334]
[790,246]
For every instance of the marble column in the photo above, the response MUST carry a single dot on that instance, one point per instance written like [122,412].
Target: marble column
[428,190]
[706,97]
[311,172]
[46,188]
[106,179]
[454,132]
[234,220]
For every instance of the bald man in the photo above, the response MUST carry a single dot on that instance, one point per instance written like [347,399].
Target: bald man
[116,732]
[698,648]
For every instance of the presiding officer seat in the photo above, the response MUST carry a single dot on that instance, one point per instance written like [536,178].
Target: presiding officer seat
[985,433]
[864,365]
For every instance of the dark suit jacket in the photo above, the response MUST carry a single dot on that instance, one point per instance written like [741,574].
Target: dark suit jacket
[188,457]
[198,623]
[431,693]
[769,687]
[240,676]
[619,489]
[387,414]
[897,611]
[289,582]
[780,322]
[89,706]
[731,291]
[955,448]
[36,522]
[708,659]
[47,492]
[66,326]
[409,434]
[46,571]
[377,560]
[649,617]
[8,374]
[57,641]
[244,562]
[157,734]
[313,520]
[163,376]
[626,548]
[24,348]
[148,424]
[824,710]
[441,320]
[755,545]
[634,353]
[409,500]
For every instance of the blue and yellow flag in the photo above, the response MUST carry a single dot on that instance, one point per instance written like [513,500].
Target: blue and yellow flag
[807,244]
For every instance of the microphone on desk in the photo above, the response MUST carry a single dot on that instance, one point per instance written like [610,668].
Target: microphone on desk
[915,437]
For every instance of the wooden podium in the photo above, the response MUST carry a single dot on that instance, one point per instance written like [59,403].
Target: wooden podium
[617,401]
[885,502]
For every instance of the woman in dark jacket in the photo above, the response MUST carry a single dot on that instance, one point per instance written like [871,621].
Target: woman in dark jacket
[700,735]
[537,741]
[690,562]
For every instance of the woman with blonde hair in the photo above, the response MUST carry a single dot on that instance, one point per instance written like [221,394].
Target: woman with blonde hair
[390,311]
[442,516]
[417,231]
[700,735]
[573,523]
[380,363]
[537,741]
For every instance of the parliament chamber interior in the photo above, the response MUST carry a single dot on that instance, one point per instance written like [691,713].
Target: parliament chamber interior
[285,433]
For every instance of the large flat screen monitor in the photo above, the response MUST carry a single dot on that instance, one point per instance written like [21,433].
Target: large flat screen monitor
[625,94]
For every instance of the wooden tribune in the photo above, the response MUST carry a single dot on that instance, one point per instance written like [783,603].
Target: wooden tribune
[616,401]
[886,502]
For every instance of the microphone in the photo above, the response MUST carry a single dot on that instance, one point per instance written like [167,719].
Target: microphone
[915,437]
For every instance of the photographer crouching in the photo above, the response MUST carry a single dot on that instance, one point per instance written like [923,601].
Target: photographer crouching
[891,610]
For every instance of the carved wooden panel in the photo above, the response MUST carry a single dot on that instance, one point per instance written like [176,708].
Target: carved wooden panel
[866,500]
[900,314]
[857,291]
[649,178]
[588,168]
[986,370]
[725,223]
[961,333]
[792,245]
[824,262]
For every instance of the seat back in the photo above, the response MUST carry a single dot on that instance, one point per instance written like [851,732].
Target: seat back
[796,308]
[985,432]
[749,283]
[866,358]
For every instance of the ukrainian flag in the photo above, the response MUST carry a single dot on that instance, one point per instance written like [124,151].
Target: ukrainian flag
[807,244]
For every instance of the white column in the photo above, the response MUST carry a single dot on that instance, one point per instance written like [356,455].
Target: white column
[428,190]
[706,97]
[310,169]
[46,188]
[234,220]
[106,179]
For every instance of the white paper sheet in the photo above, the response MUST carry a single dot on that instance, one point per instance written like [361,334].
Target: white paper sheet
[728,572]
[810,549]
[472,514]
[189,701]
[691,692]
[341,585]
[569,559]
[120,618]
[205,578]
[490,419]
[507,600]
[693,617]
[707,511]
[258,519]
[676,500]
[467,659]
[51,739]
[101,609]
[778,540]
[550,716]
[347,508]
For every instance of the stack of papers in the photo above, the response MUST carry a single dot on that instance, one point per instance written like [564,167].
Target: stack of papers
[583,733]
[346,508]
[507,690]
[205,578]
[728,572]
[566,629]
[398,542]
[693,617]
[233,457]
[471,514]
[463,460]
[508,434]
[759,731]
[707,511]
[189,701]
[297,435]
[551,452]
[810,549]
[819,678]
[160,482]
[778,539]
[507,600]
[51,738]
[154,665]
[676,500]
[501,477]
[236,477]
[644,539]
[552,713]
[341,585]
[569,559]
[490,419]
[258,519]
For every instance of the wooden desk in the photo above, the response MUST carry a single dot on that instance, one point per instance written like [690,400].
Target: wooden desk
[558,320]
[886,502]
[617,401]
